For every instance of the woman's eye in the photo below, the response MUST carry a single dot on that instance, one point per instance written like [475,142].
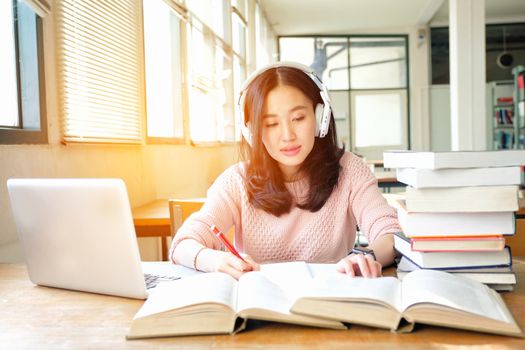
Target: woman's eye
[299,118]
[270,125]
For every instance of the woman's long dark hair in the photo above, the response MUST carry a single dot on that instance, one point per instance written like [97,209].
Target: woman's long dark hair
[263,180]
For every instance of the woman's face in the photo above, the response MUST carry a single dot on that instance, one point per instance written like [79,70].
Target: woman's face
[288,127]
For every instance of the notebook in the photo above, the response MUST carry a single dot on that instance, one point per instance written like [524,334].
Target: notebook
[78,234]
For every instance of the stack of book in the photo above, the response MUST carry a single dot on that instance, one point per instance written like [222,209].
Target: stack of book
[457,209]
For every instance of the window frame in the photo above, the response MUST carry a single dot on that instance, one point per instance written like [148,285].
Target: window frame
[19,134]
[405,37]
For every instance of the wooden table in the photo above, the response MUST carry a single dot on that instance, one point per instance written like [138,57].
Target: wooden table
[153,220]
[387,179]
[33,317]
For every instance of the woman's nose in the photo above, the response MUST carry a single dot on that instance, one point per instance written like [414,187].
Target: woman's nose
[287,131]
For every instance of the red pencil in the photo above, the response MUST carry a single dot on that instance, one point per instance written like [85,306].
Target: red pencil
[224,241]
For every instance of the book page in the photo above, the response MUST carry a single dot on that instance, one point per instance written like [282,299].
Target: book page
[437,287]
[321,269]
[292,277]
[330,284]
[212,287]
[255,290]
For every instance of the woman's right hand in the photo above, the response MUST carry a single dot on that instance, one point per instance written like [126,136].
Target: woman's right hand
[234,266]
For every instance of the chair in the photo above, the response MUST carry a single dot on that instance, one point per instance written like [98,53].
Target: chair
[180,209]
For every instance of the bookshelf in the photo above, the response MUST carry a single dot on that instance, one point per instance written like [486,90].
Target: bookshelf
[519,106]
[501,119]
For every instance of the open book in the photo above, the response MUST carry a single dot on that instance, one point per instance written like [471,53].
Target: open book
[215,303]
[317,295]
[424,296]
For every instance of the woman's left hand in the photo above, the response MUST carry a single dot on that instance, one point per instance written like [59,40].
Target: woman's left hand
[359,265]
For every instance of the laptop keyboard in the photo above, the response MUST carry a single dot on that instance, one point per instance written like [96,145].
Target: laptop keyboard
[152,280]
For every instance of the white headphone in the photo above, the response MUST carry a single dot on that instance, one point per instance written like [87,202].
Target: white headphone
[322,111]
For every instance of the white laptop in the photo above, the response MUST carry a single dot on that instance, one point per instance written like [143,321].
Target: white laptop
[78,234]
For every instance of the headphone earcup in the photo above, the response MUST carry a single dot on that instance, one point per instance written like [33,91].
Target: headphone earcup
[319,111]
[325,120]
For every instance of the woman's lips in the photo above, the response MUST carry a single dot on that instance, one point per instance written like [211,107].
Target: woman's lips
[291,151]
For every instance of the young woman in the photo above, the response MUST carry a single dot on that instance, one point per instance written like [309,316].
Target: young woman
[298,196]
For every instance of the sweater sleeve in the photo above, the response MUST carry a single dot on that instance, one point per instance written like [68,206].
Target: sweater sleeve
[371,210]
[221,208]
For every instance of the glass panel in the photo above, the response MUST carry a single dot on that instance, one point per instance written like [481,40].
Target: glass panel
[8,85]
[340,108]
[297,50]
[163,70]
[499,38]
[379,119]
[331,62]
[264,40]
[440,56]
[239,75]
[202,94]
[327,56]
[202,127]
[224,85]
[211,96]
[209,12]
[377,63]
[239,35]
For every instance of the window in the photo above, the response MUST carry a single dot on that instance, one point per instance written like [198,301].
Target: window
[22,116]
[378,63]
[217,55]
[164,29]
[265,44]
[100,80]
[367,77]
[239,29]
[211,95]
[196,60]
[499,38]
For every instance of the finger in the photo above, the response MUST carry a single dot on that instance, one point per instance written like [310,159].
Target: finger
[237,263]
[340,266]
[255,266]
[230,270]
[362,262]
[349,268]
[233,272]
[376,267]
[345,266]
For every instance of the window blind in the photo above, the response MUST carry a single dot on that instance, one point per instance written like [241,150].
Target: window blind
[100,71]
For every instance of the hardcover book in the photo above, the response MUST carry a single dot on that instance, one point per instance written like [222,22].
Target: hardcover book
[454,159]
[216,303]
[424,296]
[462,199]
[422,178]
[445,224]
[457,244]
[452,260]
[487,277]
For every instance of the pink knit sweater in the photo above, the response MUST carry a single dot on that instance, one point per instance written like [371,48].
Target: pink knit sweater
[324,236]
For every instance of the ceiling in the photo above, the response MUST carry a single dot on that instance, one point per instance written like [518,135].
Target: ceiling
[296,17]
